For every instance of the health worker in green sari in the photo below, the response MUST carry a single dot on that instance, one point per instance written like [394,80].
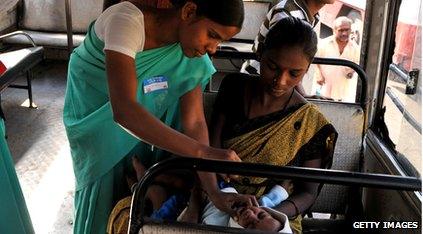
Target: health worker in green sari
[139,75]
[14,216]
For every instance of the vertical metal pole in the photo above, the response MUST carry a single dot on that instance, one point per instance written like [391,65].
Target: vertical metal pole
[29,76]
[69,29]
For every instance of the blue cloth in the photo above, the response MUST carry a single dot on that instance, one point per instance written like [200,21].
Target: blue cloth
[275,196]
[171,208]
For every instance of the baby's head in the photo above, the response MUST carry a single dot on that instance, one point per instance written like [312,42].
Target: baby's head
[259,218]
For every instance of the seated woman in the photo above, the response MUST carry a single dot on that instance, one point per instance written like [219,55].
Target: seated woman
[265,120]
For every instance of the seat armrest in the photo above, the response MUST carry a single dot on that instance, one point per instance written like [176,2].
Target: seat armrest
[19,33]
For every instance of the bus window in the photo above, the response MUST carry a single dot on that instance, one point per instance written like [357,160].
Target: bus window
[403,90]
[340,33]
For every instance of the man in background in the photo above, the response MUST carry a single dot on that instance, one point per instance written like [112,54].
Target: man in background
[337,82]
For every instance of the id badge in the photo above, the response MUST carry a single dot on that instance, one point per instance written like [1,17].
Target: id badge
[155,84]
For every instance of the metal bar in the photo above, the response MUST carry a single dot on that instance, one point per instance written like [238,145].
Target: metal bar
[230,54]
[410,119]
[264,170]
[326,61]
[69,30]
[29,76]
[355,67]
[12,34]
[240,40]
[19,86]
[397,71]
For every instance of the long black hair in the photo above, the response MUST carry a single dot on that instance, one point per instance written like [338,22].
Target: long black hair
[224,12]
[289,32]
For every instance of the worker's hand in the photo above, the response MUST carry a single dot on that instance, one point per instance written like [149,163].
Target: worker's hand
[321,81]
[221,154]
[225,155]
[231,202]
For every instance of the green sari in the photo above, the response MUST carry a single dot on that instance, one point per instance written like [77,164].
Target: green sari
[14,216]
[98,144]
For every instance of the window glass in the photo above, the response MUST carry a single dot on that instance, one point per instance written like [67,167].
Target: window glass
[403,92]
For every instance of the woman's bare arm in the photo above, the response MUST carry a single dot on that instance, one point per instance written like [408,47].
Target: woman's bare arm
[304,195]
[128,113]
[192,112]
[136,119]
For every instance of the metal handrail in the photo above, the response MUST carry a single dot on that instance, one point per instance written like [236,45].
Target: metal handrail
[359,179]
[69,29]
[400,73]
[317,60]
[410,119]
[12,34]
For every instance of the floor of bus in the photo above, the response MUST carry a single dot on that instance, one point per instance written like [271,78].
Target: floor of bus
[40,150]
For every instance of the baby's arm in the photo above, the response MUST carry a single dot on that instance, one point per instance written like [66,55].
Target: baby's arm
[274,197]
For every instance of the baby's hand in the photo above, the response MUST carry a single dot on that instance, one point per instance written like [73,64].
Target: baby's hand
[265,201]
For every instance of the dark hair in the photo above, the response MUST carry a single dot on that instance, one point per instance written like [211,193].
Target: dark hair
[291,31]
[224,12]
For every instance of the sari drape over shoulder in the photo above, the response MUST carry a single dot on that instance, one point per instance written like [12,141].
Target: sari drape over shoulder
[280,142]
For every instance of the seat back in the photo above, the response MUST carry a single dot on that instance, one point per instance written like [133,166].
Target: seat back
[348,121]
[255,13]
[50,16]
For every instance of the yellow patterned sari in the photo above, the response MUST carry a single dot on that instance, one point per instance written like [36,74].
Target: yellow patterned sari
[280,142]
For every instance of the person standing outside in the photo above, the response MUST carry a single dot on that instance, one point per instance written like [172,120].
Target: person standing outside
[338,83]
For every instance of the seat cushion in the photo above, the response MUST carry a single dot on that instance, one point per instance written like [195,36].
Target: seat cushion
[19,61]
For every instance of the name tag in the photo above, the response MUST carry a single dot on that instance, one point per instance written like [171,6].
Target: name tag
[154,84]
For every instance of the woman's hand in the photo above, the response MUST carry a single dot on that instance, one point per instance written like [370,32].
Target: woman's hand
[231,202]
[225,155]
[220,154]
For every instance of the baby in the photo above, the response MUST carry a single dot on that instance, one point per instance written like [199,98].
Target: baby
[259,218]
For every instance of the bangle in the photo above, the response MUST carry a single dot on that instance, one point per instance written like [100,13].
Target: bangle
[297,212]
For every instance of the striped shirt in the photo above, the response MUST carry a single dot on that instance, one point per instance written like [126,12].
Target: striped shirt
[285,8]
